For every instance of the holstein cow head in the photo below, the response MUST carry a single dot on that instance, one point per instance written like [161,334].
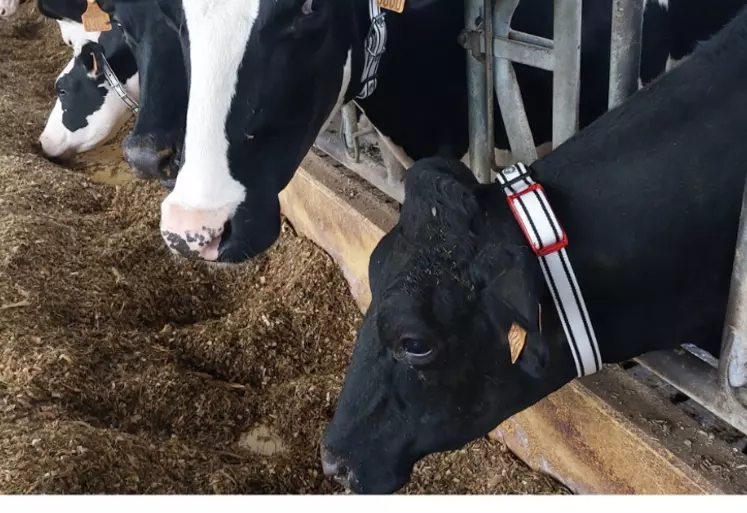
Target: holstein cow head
[266,77]
[88,111]
[432,369]
[153,146]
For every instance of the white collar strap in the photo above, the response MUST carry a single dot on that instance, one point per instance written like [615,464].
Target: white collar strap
[375,46]
[548,240]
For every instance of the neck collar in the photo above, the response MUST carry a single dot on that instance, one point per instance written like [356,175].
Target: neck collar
[548,240]
[115,84]
[374,48]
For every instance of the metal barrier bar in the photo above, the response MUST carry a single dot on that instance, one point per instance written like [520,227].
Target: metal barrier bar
[699,381]
[489,84]
[507,89]
[530,39]
[625,50]
[524,53]
[377,175]
[567,72]
[715,390]
[733,360]
[480,148]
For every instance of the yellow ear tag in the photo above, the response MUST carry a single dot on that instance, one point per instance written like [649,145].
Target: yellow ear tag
[392,5]
[517,338]
[94,19]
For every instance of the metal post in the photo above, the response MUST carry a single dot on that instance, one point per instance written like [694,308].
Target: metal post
[733,359]
[699,381]
[567,74]
[487,37]
[507,90]
[480,149]
[625,49]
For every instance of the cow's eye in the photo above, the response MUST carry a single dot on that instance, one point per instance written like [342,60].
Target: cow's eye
[415,346]
[414,350]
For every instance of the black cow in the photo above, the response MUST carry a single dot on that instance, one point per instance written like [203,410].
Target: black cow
[268,74]
[649,196]
[152,148]
[88,111]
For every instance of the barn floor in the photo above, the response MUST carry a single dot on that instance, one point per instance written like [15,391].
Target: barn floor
[123,370]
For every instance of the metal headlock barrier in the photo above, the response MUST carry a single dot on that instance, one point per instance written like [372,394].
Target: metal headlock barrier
[492,47]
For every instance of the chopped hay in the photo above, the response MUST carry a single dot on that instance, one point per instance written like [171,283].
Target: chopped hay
[123,370]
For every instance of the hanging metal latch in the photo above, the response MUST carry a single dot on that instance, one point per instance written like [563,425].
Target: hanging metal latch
[350,131]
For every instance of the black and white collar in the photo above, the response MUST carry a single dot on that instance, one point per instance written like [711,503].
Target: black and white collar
[548,240]
[115,84]
[374,48]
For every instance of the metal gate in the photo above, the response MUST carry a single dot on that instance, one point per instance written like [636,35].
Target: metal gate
[492,47]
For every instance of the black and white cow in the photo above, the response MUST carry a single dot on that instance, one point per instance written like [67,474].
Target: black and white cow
[267,75]
[151,149]
[88,111]
[649,197]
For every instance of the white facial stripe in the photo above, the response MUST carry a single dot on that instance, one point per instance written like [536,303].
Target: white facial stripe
[218,34]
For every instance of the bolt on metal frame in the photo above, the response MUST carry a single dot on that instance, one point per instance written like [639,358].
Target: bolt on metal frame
[491,47]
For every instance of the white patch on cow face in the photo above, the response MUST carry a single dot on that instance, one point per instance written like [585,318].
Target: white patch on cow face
[58,141]
[75,36]
[8,8]
[218,34]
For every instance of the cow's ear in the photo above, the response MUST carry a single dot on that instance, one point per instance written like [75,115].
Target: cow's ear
[511,299]
[91,58]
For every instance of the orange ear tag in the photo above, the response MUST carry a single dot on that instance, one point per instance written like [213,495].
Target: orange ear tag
[517,338]
[392,5]
[94,19]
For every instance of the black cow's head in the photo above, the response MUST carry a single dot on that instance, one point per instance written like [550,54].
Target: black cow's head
[152,148]
[266,75]
[432,370]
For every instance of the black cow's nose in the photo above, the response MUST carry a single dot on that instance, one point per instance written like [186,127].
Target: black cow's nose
[334,468]
[146,160]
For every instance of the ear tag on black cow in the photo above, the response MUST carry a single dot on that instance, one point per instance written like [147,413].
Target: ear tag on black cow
[392,5]
[94,19]
[517,338]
